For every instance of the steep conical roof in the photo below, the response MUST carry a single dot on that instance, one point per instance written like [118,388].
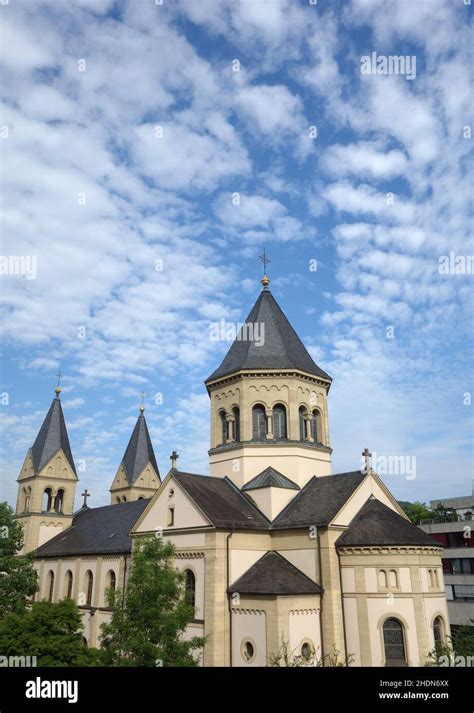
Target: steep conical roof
[139,451]
[52,437]
[278,347]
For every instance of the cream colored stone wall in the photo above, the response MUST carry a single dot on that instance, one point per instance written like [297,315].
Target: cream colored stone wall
[303,627]
[371,485]
[271,501]
[380,583]
[39,526]
[249,625]
[246,390]
[170,495]
[95,615]
[298,462]
[145,485]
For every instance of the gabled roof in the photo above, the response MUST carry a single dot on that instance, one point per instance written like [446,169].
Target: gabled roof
[222,502]
[103,530]
[52,437]
[270,478]
[272,574]
[139,451]
[377,524]
[281,347]
[319,501]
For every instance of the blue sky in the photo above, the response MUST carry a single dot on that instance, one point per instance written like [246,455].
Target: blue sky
[134,144]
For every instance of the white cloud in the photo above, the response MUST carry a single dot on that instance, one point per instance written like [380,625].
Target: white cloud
[364,158]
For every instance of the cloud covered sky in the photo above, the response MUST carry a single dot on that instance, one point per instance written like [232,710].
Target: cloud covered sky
[151,151]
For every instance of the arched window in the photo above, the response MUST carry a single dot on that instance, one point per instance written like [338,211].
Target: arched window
[68,584]
[316,426]
[236,412]
[438,630]
[393,578]
[223,426]
[26,499]
[50,586]
[279,421]
[430,577]
[382,579]
[59,501]
[259,427]
[302,413]
[394,643]
[436,581]
[111,580]
[47,499]
[89,584]
[190,587]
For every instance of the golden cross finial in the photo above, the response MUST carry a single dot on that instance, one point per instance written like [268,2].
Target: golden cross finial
[265,260]
[142,407]
[58,388]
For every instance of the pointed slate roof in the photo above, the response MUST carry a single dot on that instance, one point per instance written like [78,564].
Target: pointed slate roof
[270,478]
[377,524]
[139,451]
[281,348]
[51,437]
[319,501]
[272,574]
[103,530]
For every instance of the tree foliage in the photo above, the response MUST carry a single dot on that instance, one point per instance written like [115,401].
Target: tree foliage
[51,632]
[150,616]
[18,578]
[417,511]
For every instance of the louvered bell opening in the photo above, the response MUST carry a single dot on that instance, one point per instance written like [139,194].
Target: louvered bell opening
[259,430]
[279,421]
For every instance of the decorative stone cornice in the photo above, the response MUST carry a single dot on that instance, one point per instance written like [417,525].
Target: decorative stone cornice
[268,374]
[279,443]
[390,550]
[304,611]
[189,555]
[247,611]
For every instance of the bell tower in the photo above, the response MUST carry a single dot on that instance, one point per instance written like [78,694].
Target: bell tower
[138,476]
[47,481]
[269,402]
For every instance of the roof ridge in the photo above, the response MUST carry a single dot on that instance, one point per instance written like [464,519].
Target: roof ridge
[246,497]
[280,332]
[292,501]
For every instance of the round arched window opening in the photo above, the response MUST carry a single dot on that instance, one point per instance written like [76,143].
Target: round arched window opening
[248,650]
[438,630]
[307,650]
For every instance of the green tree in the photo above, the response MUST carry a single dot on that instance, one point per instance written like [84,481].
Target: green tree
[458,646]
[18,578]
[150,616]
[51,632]
[417,511]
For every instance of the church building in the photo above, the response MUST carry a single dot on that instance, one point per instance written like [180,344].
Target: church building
[276,549]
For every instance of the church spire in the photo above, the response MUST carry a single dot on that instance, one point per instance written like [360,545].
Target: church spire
[268,401]
[138,475]
[52,437]
[267,341]
[47,480]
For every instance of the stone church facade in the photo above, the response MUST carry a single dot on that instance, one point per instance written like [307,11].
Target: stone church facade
[275,547]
